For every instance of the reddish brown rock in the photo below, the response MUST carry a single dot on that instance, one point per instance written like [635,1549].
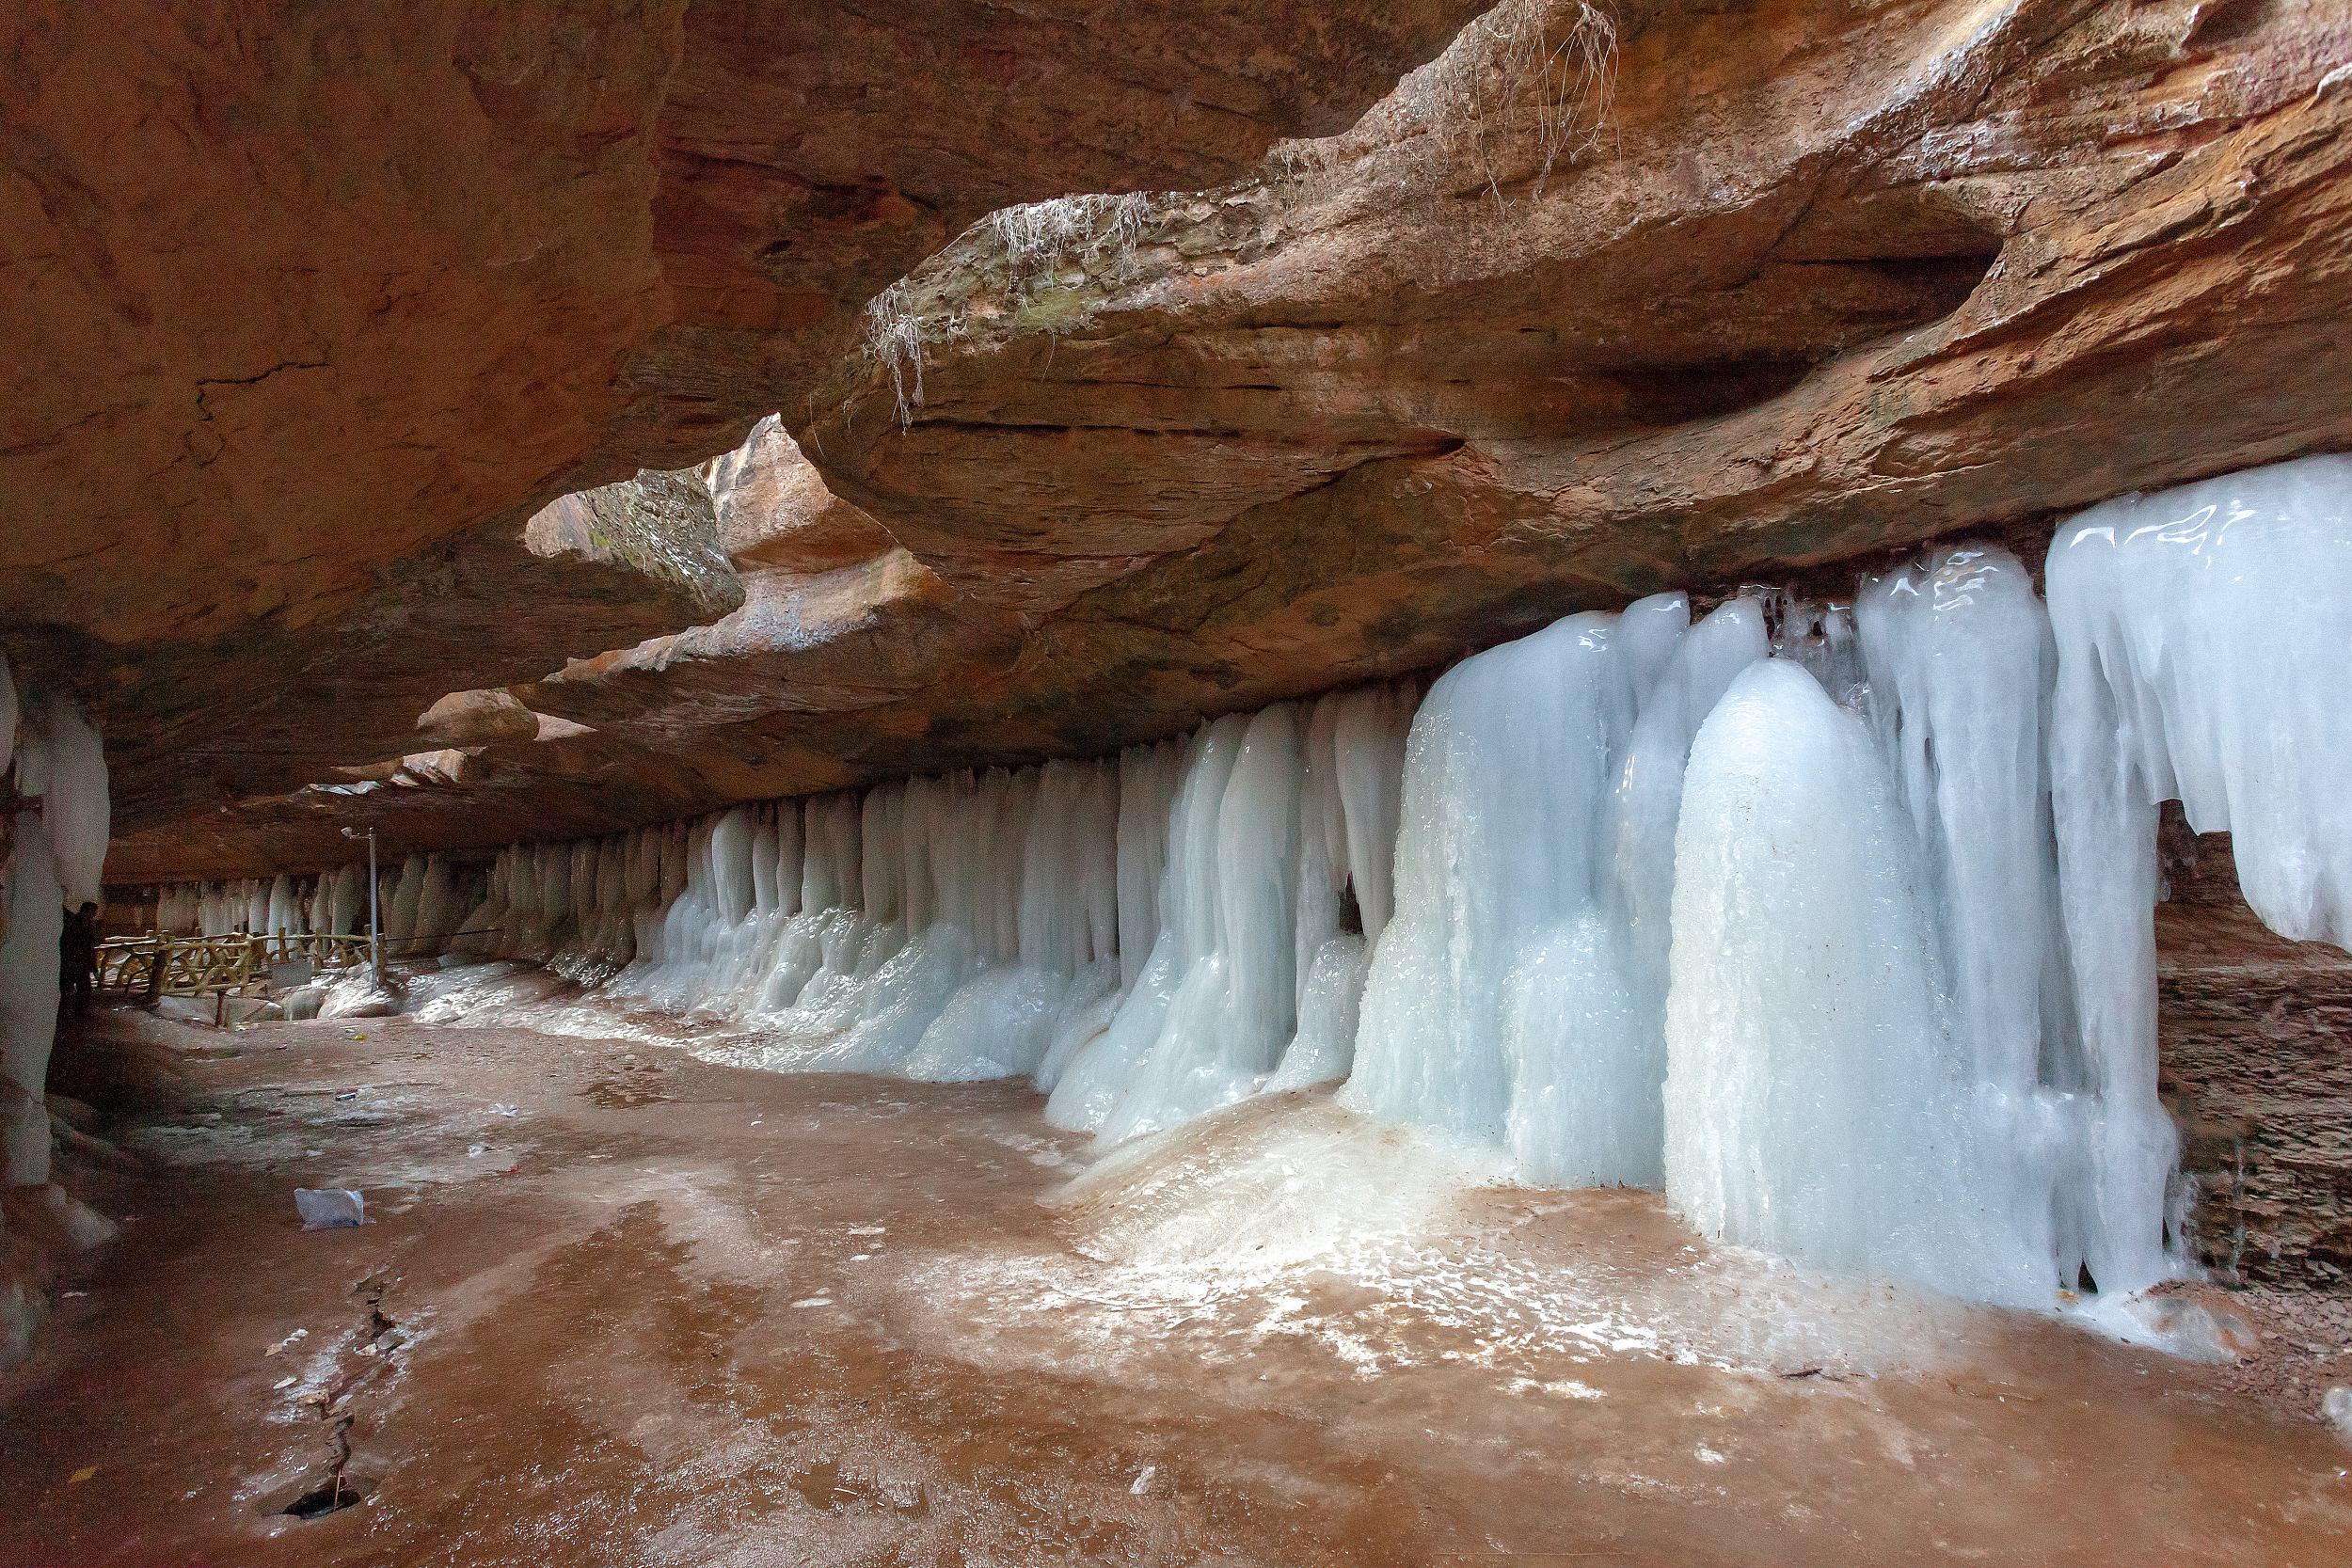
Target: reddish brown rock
[312,307]
[1833,281]
[2257,1067]
[774,510]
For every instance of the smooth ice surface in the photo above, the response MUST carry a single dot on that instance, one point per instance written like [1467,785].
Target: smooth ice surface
[72,774]
[1815,1104]
[2204,639]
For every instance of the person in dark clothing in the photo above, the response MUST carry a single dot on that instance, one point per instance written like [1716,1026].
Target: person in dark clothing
[78,957]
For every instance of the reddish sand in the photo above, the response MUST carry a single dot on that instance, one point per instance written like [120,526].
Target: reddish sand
[678,1313]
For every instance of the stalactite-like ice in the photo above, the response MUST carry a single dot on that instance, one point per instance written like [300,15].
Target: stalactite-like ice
[1274,824]
[283,916]
[2204,639]
[1504,776]
[1815,1104]
[1960,662]
[1509,1003]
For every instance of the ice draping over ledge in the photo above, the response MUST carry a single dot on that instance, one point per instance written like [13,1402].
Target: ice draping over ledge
[1832,920]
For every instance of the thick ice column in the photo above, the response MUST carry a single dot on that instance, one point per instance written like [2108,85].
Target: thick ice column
[59,857]
[1148,781]
[1323,865]
[830,871]
[1015,800]
[918,831]
[788,857]
[882,865]
[1098,858]
[764,859]
[668,848]
[1648,800]
[400,920]
[1814,1103]
[1504,776]
[283,913]
[1055,848]
[1180,967]
[349,902]
[1257,887]
[1960,664]
[1237,865]
[437,914]
[734,888]
[2202,635]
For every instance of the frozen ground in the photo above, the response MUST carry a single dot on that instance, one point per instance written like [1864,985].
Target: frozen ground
[645,1308]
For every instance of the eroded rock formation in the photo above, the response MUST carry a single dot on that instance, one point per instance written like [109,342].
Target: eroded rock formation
[313,307]
[1753,292]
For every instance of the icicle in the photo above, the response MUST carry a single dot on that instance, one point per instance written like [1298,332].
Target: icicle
[1371,725]
[282,918]
[2201,635]
[733,885]
[1648,799]
[1147,780]
[74,795]
[764,860]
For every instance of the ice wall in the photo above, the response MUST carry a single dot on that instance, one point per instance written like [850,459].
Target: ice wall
[59,854]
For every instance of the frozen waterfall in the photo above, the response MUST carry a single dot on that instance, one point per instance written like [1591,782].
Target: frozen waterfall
[1833,921]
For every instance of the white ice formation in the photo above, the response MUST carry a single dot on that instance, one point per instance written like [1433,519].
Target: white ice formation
[2204,655]
[1833,921]
[58,853]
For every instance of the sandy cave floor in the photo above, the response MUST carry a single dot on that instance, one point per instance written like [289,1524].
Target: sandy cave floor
[672,1312]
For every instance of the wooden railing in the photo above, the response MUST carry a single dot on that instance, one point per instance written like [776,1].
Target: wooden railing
[207,966]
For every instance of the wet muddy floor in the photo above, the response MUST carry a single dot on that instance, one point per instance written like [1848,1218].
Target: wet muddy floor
[615,1306]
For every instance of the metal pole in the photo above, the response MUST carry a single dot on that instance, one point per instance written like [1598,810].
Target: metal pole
[375,947]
